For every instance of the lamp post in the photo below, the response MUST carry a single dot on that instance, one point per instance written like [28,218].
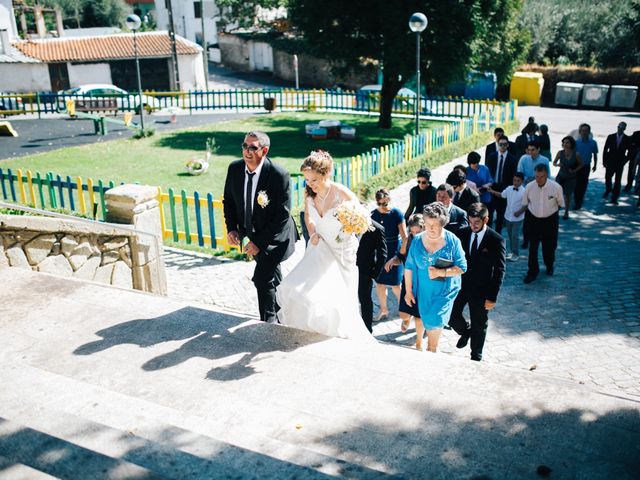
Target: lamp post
[417,23]
[133,23]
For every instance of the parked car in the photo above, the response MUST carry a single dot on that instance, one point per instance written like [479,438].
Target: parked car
[123,99]
[10,102]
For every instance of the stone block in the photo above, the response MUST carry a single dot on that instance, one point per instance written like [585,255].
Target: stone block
[121,275]
[125,255]
[56,265]
[103,274]
[85,248]
[88,270]
[125,202]
[110,257]
[68,244]
[113,243]
[77,261]
[151,277]
[39,248]
[17,258]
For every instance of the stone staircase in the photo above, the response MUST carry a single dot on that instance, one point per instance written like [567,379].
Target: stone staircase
[100,382]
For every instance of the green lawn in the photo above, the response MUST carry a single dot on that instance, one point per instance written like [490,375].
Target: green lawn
[160,160]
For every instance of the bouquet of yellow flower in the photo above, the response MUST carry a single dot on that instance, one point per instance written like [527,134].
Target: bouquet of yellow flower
[354,219]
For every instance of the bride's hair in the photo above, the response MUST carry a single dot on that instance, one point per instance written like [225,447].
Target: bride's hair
[318,161]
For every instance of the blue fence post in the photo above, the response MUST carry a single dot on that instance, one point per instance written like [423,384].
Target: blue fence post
[212,224]
[196,201]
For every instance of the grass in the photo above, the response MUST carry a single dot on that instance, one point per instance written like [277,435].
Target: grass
[160,160]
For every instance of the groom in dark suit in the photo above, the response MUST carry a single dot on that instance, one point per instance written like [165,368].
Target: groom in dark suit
[486,259]
[257,197]
[502,166]
[370,258]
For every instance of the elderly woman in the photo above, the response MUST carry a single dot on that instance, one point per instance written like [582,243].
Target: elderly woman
[433,268]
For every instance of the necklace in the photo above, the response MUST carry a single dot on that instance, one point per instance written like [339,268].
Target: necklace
[326,195]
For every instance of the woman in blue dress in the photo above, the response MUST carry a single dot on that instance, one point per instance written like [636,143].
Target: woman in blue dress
[395,232]
[435,288]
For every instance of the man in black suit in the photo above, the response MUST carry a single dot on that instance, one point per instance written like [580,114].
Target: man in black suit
[502,166]
[457,216]
[493,146]
[528,135]
[463,196]
[257,195]
[633,162]
[370,258]
[614,156]
[486,260]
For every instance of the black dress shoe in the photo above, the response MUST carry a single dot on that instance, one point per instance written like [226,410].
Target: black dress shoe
[614,202]
[476,358]
[529,278]
[462,342]
[550,271]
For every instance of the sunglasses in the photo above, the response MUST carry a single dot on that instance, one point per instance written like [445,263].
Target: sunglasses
[503,144]
[383,204]
[251,148]
[422,182]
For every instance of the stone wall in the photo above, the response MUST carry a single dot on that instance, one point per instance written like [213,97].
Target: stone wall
[90,251]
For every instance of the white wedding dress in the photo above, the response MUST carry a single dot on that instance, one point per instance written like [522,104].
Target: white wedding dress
[321,293]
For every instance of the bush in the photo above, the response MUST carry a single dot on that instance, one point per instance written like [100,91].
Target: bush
[608,76]
[147,132]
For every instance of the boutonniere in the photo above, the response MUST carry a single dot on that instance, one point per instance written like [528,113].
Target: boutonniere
[485,250]
[263,198]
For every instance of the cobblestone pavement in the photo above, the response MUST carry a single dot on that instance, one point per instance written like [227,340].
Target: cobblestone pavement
[581,324]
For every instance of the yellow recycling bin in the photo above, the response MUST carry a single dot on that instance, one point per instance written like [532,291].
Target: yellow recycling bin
[526,87]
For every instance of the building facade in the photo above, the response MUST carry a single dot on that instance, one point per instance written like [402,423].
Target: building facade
[187,19]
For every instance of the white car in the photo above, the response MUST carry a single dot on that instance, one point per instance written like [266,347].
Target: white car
[124,100]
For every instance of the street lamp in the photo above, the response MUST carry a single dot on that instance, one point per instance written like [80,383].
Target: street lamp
[417,23]
[133,23]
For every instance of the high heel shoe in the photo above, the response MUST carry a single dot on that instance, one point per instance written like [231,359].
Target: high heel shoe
[404,326]
[382,316]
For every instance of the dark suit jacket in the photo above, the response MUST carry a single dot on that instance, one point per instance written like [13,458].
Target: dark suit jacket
[273,228]
[635,145]
[372,251]
[466,198]
[521,145]
[613,154]
[508,170]
[457,219]
[491,148]
[485,270]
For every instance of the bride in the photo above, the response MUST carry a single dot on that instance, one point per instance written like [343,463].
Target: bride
[321,293]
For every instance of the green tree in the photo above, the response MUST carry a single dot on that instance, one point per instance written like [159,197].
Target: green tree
[243,12]
[104,13]
[349,32]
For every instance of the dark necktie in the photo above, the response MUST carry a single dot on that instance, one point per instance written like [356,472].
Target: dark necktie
[499,171]
[515,189]
[248,202]
[474,245]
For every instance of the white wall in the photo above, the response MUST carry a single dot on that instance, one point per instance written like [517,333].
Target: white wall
[185,23]
[81,74]
[24,77]
[191,72]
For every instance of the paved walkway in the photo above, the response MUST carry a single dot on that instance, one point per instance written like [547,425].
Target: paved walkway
[582,324]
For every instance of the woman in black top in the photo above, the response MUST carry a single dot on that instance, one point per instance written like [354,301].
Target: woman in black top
[422,194]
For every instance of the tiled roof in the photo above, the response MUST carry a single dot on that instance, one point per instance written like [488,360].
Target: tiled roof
[111,47]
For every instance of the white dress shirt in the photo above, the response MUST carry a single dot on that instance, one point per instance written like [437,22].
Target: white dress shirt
[543,201]
[254,184]
[480,235]
[514,202]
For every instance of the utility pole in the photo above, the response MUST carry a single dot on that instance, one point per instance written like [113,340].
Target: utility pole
[174,51]
[204,48]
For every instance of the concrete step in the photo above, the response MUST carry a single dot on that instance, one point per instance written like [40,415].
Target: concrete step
[204,386]
[164,442]
[10,470]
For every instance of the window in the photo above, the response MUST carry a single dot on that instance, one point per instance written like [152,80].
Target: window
[197,9]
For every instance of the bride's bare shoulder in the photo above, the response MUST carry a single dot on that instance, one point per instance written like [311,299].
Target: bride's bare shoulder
[344,192]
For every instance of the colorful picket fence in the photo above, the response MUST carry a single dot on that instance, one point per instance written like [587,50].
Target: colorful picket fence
[50,191]
[246,100]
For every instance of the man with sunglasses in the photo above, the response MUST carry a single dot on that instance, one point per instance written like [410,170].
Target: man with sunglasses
[257,198]
[502,166]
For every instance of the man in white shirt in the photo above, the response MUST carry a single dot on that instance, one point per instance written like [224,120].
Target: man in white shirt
[541,201]
[513,224]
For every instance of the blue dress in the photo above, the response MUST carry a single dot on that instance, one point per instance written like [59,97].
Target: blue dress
[390,222]
[435,297]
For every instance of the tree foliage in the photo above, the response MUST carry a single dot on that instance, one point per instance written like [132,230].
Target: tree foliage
[89,13]
[582,32]
[243,13]
[454,41]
